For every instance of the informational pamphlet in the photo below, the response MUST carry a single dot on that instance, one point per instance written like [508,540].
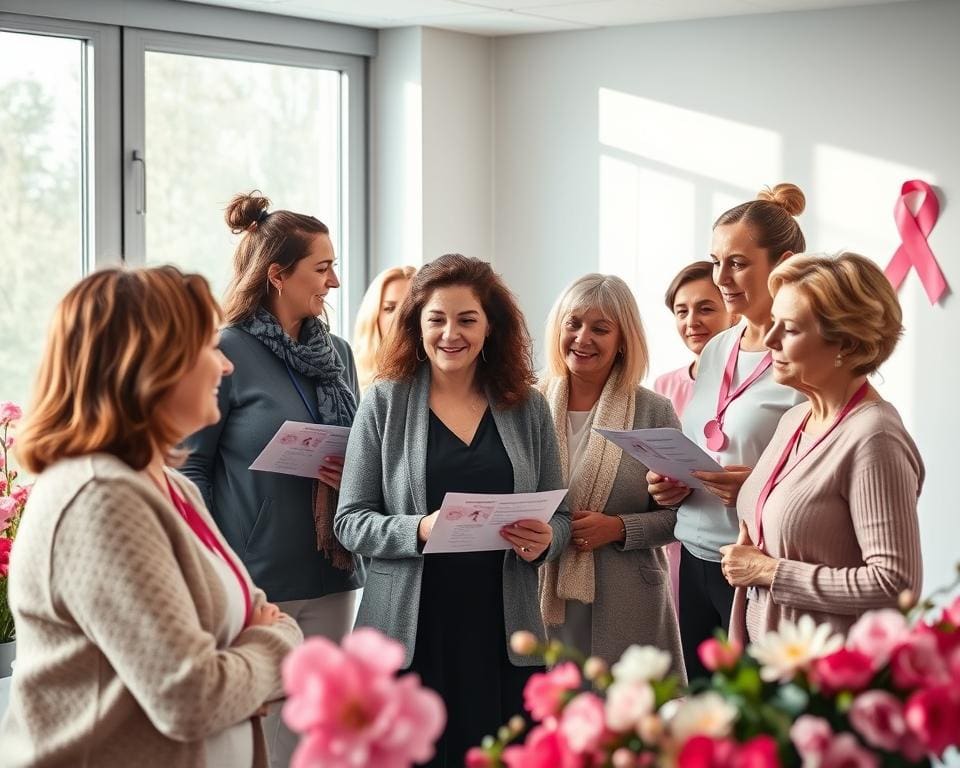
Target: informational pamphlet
[300,448]
[471,522]
[666,451]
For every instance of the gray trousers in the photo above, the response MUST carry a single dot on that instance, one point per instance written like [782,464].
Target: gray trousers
[331,616]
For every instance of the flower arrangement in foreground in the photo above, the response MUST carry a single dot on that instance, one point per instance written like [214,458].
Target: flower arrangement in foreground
[352,710]
[887,696]
[13,497]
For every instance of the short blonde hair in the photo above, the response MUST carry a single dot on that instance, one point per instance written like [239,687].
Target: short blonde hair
[612,297]
[119,342]
[853,301]
[366,333]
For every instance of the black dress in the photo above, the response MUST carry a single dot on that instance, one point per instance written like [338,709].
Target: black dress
[461,649]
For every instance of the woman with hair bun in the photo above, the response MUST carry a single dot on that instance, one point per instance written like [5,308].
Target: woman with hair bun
[288,366]
[735,407]
[829,514]
[375,318]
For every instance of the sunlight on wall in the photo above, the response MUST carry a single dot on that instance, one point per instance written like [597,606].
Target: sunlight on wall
[412,175]
[647,217]
[710,147]
[852,207]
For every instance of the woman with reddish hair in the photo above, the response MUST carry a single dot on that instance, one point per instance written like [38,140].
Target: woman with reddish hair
[452,410]
[141,639]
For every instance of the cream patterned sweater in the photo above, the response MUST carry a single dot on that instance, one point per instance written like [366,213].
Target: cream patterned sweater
[116,605]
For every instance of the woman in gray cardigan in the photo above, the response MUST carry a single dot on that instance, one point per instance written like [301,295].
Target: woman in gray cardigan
[453,410]
[287,367]
[610,589]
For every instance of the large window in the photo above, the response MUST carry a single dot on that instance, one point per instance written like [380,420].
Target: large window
[129,153]
[43,155]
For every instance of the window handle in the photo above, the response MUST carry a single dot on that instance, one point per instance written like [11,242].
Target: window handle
[139,158]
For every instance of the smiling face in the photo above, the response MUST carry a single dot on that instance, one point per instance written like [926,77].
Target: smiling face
[740,271]
[192,404]
[700,313]
[802,358]
[454,328]
[589,343]
[305,287]
[394,293]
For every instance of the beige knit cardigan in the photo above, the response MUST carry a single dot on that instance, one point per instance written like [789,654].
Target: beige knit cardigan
[116,606]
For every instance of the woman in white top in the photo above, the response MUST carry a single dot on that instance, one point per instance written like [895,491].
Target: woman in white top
[735,407]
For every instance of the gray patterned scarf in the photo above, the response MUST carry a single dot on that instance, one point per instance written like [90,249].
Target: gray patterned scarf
[315,357]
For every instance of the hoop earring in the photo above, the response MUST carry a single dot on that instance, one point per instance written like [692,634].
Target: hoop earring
[483,352]
[417,352]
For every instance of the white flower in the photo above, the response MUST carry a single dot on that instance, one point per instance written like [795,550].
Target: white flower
[708,714]
[793,647]
[640,664]
[627,704]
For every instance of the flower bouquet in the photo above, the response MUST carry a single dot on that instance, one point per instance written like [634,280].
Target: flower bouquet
[13,497]
[887,696]
[352,710]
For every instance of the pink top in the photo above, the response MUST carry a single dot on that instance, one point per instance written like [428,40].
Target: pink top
[677,386]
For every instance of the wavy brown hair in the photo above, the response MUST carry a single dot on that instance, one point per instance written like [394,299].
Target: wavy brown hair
[269,237]
[507,374]
[119,342]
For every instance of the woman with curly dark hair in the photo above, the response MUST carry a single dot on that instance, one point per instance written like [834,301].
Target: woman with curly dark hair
[453,410]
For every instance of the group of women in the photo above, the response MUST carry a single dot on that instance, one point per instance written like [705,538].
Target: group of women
[813,512]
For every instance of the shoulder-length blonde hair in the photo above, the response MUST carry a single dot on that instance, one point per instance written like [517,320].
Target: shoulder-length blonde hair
[853,302]
[119,342]
[366,334]
[612,297]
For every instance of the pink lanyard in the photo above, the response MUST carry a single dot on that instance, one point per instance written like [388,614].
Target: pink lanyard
[775,477]
[203,532]
[713,429]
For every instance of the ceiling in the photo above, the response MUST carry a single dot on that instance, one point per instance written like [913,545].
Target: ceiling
[513,17]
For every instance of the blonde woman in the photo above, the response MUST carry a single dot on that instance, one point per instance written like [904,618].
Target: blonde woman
[610,588]
[829,515]
[375,318]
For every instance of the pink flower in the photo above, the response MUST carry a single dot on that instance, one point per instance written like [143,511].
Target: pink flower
[759,752]
[706,752]
[845,752]
[952,612]
[717,655]
[917,662]
[8,508]
[582,723]
[933,717]
[9,412]
[842,670]
[878,717]
[811,736]
[352,710]
[5,547]
[21,493]
[628,704]
[477,758]
[877,633]
[544,748]
[544,693]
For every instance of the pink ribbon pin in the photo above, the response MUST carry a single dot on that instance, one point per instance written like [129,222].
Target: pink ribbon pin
[914,250]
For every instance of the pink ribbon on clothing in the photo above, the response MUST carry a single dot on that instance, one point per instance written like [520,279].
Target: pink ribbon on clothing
[914,250]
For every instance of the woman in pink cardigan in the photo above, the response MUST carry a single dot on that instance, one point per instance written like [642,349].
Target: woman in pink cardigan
[828,517]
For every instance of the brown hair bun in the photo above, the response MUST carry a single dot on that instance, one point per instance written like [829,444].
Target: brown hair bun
[788,196]
[244,211]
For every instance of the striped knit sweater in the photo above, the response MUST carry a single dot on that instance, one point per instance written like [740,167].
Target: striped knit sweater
[843,523]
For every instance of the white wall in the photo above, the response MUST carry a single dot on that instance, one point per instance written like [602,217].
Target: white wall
[431,147]
[615,149]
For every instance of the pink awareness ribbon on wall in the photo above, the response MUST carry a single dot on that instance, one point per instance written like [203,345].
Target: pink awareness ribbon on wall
[914,250]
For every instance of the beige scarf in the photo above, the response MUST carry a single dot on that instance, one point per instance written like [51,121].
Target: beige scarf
[572,576]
